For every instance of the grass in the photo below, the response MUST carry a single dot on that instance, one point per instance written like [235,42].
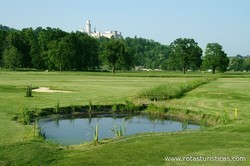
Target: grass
[57,107]
[96,134]
[25,115]
[230,91]
[119,131]
[174,90]
[152,108]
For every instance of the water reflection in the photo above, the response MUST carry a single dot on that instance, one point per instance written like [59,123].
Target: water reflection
[78,129]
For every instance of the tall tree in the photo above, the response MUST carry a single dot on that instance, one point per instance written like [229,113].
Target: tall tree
[12,58]
[147,53]
[89,52]
[46,39]
[3,34]
[17,39]
[30,48]
[125,62]
[237,63]
[247,63]
[215,58]
[113,51]
[185,53]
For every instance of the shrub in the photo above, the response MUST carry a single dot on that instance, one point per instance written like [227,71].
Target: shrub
[225,118]
[156,109]
[28,91]
[114,107]
[129,106]
[37,112]
[25,115]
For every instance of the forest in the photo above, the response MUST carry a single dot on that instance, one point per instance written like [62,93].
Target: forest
[56,50]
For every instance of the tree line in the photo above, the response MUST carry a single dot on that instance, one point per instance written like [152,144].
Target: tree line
[54,49]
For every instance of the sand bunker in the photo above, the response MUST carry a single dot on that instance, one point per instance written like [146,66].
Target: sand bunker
[46,89]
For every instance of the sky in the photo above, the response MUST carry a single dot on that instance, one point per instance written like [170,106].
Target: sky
[206,21]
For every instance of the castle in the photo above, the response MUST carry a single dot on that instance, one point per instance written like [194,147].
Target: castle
[96,34]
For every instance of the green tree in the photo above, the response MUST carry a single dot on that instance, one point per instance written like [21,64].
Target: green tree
[215,58]
[89,52]
[12,58]
[147,53]
[26,37]
[18,40]
[47,39]
[247,63]
[114,50]
[126,61]
[185,53]
[62,53]
[35,53]
[37,60]
[237,63]
[3,34]
[53,55]
[31,50]
[75,40]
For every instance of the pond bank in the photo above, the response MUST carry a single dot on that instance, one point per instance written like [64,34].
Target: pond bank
[29,115]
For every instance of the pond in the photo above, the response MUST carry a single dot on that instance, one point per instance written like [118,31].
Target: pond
[73,130]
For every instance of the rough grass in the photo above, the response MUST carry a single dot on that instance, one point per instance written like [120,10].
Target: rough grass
[174,90]
[17,146]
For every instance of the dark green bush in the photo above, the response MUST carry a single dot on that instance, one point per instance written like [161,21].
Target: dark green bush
[28,91]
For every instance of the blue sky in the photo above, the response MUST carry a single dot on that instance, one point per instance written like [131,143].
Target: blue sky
[206,21]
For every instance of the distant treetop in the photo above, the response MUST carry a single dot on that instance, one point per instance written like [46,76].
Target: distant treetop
[3,27]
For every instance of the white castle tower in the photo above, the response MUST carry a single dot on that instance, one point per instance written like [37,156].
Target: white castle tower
[88,27]
[96,34]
